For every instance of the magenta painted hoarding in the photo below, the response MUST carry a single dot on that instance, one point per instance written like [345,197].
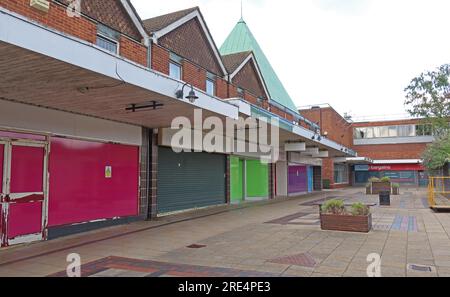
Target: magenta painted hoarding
[298,179]
[91,181]
[2,159]
[24,219]
[27,169]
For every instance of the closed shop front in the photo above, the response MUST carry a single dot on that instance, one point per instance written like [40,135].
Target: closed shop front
[257,180]
[190,180]
[92,181]
[317,178]
[297,179]
[237,179]
[404,174]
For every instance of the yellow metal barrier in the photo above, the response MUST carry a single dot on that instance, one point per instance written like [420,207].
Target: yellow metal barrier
[439,192]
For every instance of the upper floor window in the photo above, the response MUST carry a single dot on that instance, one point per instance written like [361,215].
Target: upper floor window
[210,84]
[175,68]
[393,131]
[108,38]
[241,93]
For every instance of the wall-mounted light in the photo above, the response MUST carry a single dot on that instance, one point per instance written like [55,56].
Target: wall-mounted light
[192,97]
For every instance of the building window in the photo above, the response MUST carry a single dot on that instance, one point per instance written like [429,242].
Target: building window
[107,44]
[340,174]
[393,131]
[108,39]
[424,130]
[210,84]
[175,68]
[210,87]
[241,93]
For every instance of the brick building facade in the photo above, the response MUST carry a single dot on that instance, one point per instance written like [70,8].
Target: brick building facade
[385,148]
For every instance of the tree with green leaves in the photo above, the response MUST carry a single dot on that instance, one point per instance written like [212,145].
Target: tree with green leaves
[428,97]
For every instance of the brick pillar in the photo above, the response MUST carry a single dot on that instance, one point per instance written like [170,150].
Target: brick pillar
[144,175]
[153,193]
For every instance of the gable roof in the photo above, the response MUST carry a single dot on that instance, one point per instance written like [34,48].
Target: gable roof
[120,15]
[157,23]
[162,25]
[235,63]
[240,40]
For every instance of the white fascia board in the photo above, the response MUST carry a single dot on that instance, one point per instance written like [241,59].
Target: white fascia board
[322,154]
[295,147]
[19,31]
[182,21]
[325,141]
[360,160]
[399,161]
[311,151]
[137,23]
[244,107]
[258,71]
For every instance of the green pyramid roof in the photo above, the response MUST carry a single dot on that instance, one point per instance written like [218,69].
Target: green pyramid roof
[241,39]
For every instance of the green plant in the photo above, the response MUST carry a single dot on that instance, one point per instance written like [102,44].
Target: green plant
[385,179]
[396,186]
[333,207]
[368,185]
[374,179]
[359,209]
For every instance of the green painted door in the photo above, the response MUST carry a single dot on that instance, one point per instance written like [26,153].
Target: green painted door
[257,175]
[237,179]
[190,180]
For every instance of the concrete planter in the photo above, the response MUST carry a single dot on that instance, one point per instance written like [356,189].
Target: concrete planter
[347,223]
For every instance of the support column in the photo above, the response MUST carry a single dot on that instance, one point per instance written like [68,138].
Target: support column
[144,175]
[153,184]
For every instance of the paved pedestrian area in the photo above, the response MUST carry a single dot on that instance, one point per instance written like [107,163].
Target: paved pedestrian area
[275,239]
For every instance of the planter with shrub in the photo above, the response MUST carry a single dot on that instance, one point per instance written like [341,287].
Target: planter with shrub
[336,216]
[380,185]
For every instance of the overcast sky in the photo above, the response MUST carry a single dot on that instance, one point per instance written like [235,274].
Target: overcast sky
[357,55]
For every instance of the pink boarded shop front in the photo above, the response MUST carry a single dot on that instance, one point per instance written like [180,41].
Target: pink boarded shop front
[91,181]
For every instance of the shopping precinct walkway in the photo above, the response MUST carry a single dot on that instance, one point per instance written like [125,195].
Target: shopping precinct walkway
[275,239]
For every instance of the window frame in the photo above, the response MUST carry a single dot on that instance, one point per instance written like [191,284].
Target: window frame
[172,62]
[107,38]
[213,82]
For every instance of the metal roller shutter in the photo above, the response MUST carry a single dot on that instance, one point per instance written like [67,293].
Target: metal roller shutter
[190,180]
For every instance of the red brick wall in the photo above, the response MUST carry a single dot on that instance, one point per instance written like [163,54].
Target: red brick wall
[232,91]
[221,88]
[160,59]
[189,41]
[133,51]
[331,122]
[80,27]
[194,75]
[111,13]
[248,79]
[55,18]
[391,151]
[251,98]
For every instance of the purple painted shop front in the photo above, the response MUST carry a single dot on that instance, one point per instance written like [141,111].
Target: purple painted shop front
[298,179]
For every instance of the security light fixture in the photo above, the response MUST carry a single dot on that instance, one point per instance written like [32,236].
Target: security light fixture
[192,97]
